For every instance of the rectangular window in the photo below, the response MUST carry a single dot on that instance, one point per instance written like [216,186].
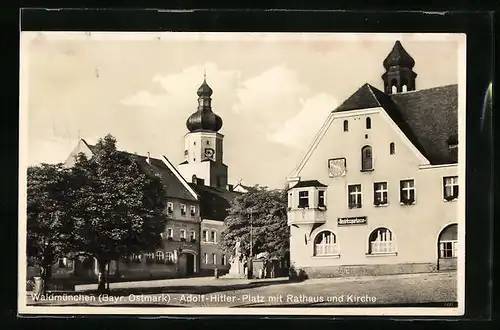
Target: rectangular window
[321,198]
[192,236]
[193,210]
[170,207]
[303,199]
[224,260]
[450,187]
[205,236]
[206,258]
[213,236]
[380,193]
[183,234]
[354,196]
[183,209]
[214,258]
[170,233]
[448,249]
[407,192]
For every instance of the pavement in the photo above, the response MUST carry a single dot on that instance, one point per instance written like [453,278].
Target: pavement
[428,289]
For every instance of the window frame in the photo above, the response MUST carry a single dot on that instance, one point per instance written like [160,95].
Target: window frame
[170,233]
[368,123]
[335,250]
[390,248]
[359,193]
[454,183]
[392,148]
[182,234]
[303,206]
[382,202]
[192,210]
[192,235]
[159,256]
[408,201]
[320,203]
[367,158]
[170,207]
[346,126]
[453,249]
[214,232]
[183,209]
[205,235]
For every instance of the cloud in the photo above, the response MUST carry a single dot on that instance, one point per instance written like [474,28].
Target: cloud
[270,91]
[141,99]
[299,130]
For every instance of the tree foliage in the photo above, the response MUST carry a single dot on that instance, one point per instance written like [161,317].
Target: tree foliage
[117,204]
[261,212]
[49,226]
[106,206]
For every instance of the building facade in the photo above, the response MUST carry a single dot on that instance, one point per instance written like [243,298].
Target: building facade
[198,198]
[377,191]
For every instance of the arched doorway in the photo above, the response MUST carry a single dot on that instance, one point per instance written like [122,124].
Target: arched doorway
[448,248]
[187,263]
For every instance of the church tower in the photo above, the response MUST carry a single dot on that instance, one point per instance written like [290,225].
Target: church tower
[203,144]
[399,76]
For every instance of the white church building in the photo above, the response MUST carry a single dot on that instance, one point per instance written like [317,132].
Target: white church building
[377,191]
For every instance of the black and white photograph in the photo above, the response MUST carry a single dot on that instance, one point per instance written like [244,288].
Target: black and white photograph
[169,173]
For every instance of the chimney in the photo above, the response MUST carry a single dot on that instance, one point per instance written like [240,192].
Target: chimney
[200,182]
[148,160]
[230,187]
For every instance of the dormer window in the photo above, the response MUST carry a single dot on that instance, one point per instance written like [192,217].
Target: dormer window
[303,199]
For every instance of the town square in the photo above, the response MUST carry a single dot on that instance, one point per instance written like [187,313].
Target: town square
[219,170]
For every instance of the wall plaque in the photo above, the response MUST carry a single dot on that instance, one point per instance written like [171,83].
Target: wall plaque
[336,167]
[351,221]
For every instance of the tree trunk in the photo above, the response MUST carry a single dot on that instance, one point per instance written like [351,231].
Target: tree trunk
[101,276]
[45,274]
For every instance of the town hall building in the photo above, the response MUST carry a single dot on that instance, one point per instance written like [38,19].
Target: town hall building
[377,191]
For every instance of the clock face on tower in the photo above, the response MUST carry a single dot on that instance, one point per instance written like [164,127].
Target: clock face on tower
[336,167]
[209,153]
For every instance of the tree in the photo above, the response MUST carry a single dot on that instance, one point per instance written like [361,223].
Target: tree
[48,221]
[117,206]
[258,216]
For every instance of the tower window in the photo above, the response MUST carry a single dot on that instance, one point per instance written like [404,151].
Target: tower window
[346,126]
[392,148]
[366,158]
[405,88]
[394,89]
[368,123]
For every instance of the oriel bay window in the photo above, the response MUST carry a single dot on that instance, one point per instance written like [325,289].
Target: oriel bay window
[407,192]
[380,193]
[354,197]
[450,188]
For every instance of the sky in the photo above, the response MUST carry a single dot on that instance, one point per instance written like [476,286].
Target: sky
[273,91]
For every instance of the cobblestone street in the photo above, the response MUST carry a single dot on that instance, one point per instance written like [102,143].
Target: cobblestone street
[422,289]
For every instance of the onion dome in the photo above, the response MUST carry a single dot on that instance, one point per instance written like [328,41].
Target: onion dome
[204,119]
[204,90]
[399,57]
